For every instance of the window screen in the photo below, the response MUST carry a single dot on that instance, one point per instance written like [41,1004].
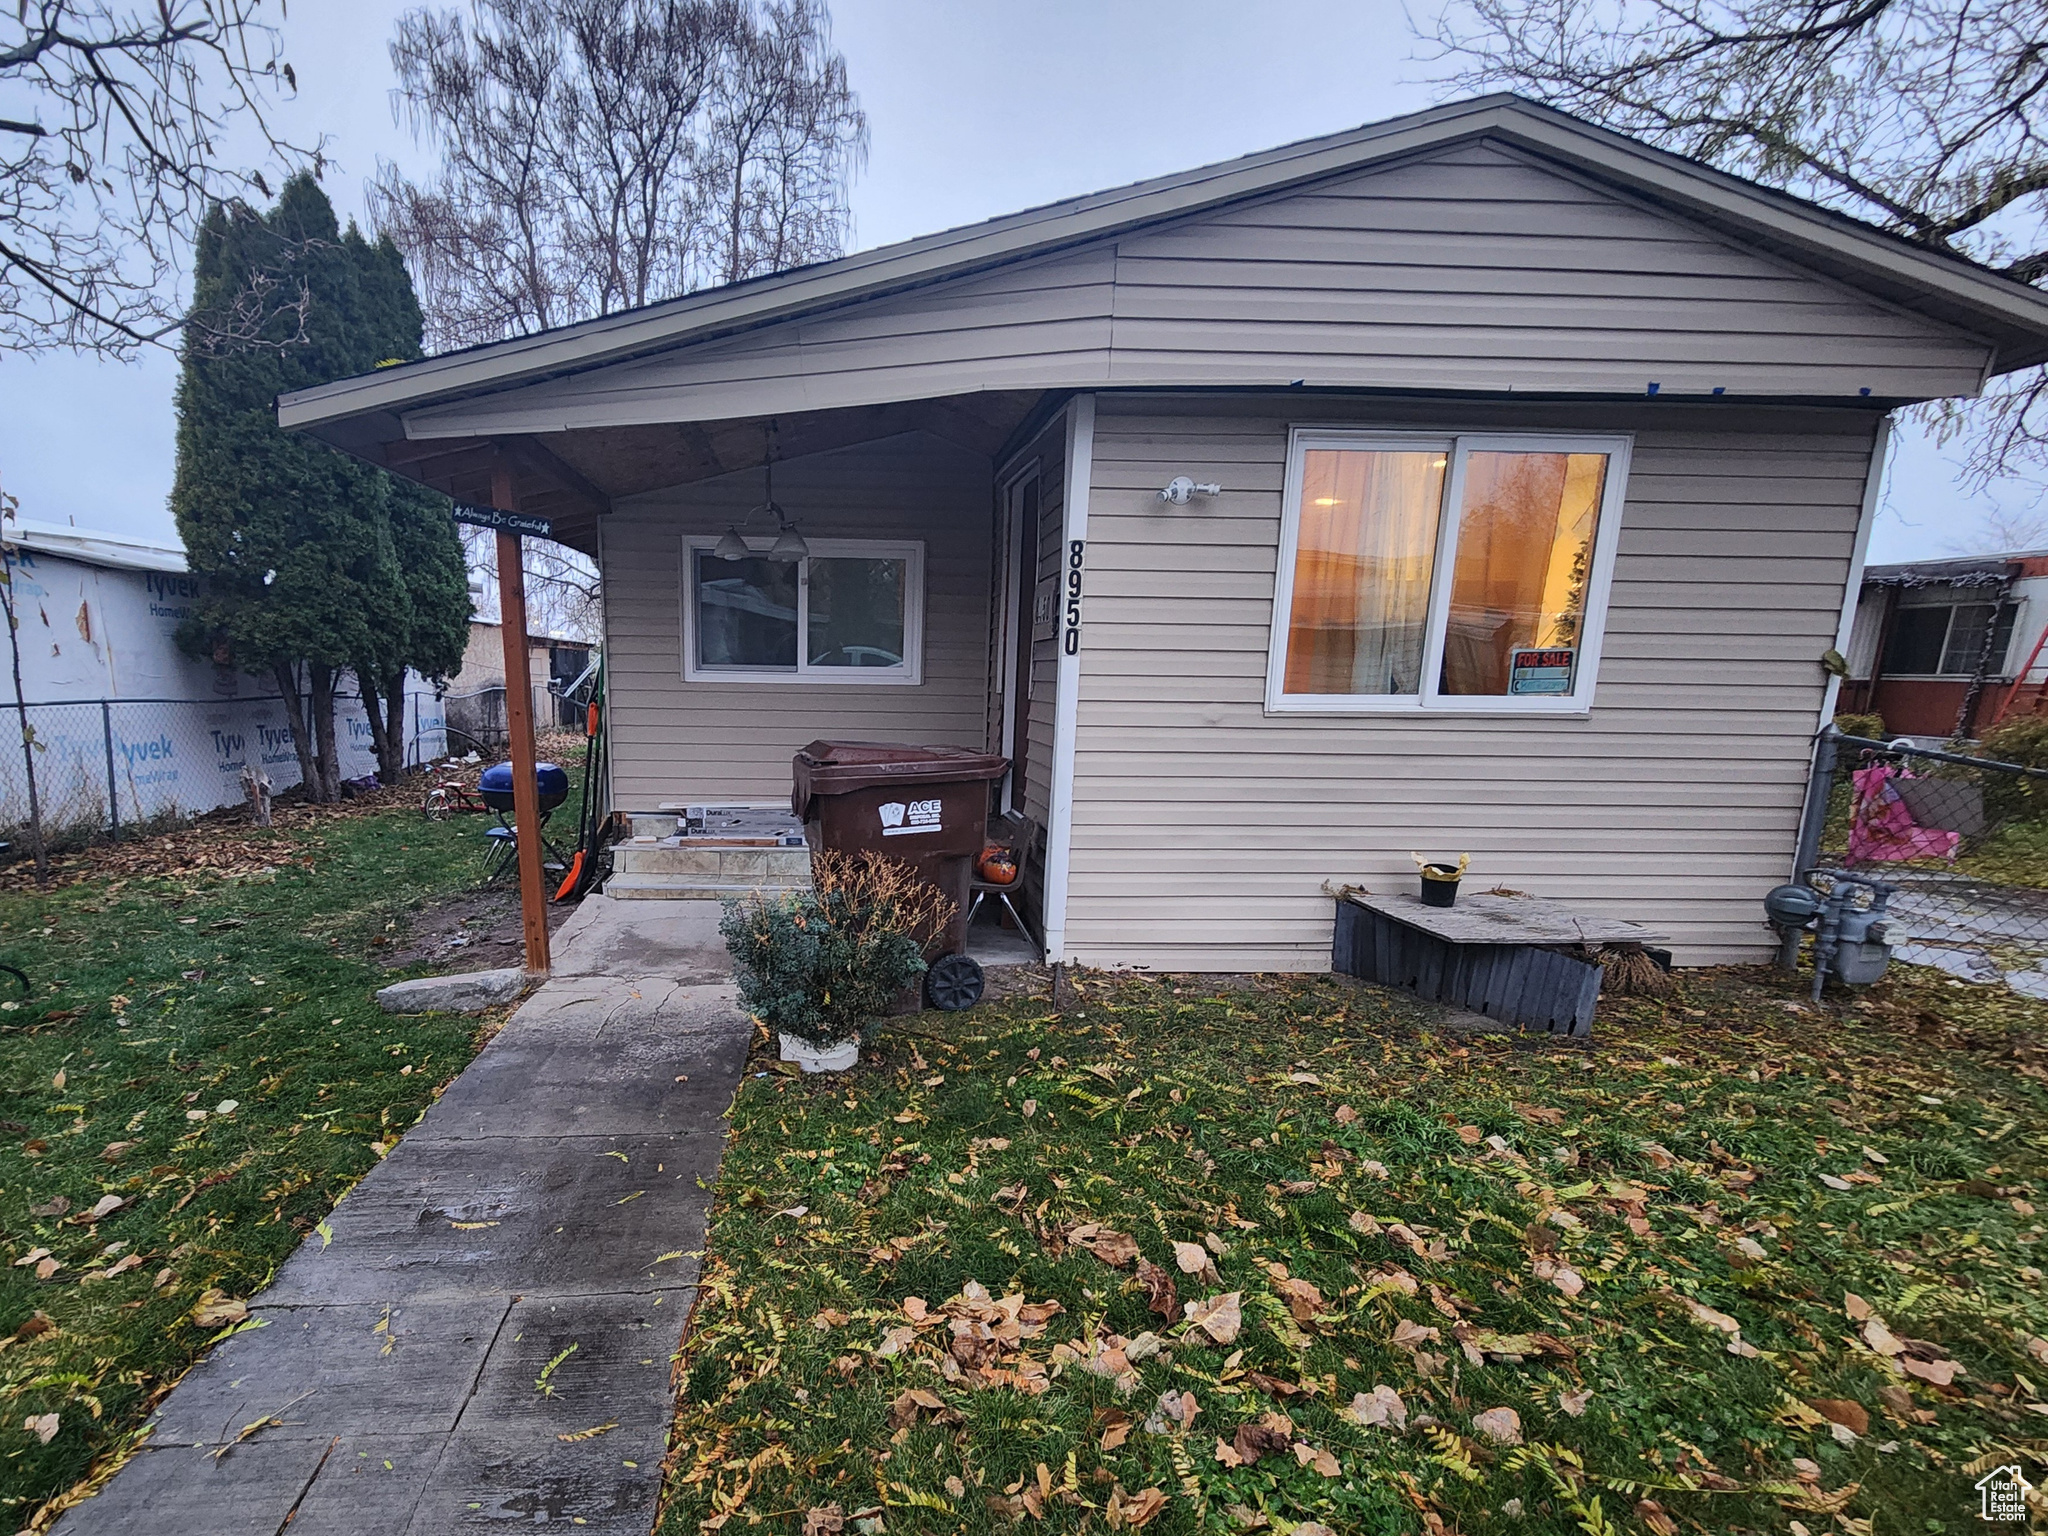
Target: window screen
[1518,586]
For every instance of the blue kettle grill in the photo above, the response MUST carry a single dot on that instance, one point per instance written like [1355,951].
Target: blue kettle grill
[494,787]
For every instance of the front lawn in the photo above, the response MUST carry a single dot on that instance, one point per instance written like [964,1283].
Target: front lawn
[197,1075]
[1738,1266]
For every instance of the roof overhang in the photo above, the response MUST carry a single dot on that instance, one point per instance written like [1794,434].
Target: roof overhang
[2011,314]
[572,475]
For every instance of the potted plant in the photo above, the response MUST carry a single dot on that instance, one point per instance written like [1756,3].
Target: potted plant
[820,967]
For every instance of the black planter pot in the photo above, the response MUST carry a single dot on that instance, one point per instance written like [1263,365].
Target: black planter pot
[1439,890]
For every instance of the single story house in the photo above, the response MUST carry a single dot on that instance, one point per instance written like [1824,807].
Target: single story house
[1475,482]
[1949,648]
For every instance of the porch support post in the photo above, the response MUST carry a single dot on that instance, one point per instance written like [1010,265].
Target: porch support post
[1059,832]
[533,910]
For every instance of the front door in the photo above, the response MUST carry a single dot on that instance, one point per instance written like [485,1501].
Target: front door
[1023,590]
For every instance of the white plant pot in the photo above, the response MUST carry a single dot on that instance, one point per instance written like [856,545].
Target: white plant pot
[830,1058]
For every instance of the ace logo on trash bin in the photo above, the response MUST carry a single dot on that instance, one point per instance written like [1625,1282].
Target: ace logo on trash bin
[899,819]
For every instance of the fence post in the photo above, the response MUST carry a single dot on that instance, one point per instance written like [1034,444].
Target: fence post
[1819,787]
[113,784]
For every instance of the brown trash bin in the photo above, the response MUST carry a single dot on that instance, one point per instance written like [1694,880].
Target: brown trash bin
[927,806]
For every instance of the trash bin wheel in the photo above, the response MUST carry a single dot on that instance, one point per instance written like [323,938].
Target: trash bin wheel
[953,983]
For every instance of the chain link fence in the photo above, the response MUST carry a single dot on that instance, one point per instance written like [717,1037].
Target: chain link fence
[1963,841]
[104,765]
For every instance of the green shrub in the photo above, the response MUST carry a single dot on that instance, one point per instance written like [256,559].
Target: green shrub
[2023,741]
[2010,797]
[824,964]
[1870,727]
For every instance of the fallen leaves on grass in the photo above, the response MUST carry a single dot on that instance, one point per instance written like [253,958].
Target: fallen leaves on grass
[1382,1405]
[1216,1318]
[1161,1294]
[1503,1426]
[1411,1336]
[1113,1248]
[216,1309]
[1130,1512]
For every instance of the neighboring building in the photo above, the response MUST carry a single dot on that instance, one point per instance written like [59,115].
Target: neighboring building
[1542,463]
[552,664]
[127,725]
[1949,648]
[99,618]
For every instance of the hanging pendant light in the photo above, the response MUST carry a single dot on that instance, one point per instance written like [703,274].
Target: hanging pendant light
[789,546]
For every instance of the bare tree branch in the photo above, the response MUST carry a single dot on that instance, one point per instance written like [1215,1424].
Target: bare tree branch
[1926,117]
[104,181]
[597,155]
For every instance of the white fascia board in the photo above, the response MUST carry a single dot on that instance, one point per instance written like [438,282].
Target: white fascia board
[1059,831]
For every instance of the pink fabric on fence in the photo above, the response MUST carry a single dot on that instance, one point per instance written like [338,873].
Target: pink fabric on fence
[1882,829]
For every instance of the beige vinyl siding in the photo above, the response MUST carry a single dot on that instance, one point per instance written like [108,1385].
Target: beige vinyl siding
[1033,324]
[1477,267]
[1205,829]
[673,740]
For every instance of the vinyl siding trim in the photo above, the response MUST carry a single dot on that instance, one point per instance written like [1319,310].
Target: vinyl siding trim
[1059,832]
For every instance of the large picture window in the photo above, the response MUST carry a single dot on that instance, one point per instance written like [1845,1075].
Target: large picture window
[1463,573]
[852,611]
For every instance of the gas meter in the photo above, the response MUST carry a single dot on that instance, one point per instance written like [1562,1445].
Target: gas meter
[1847,915]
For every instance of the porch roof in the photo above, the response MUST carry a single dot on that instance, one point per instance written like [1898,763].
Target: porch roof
[573,475]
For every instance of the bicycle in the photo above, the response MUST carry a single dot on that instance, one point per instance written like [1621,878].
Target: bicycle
[448,798]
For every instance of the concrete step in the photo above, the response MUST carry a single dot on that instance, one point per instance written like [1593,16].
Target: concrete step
[735,866]
[675,888]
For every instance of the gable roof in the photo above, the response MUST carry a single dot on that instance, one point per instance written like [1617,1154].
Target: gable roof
[2009,314]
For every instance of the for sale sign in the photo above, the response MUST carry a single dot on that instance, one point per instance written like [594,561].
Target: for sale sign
[1542,671]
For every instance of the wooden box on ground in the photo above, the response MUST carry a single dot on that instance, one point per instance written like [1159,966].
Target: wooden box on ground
[1506,957]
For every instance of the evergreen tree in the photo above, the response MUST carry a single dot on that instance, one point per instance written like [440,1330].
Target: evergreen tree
[294,539]
[432,628]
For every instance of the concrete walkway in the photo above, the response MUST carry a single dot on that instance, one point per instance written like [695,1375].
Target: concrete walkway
[485,1337]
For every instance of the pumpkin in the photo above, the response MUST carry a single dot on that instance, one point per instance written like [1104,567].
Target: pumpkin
[998,865]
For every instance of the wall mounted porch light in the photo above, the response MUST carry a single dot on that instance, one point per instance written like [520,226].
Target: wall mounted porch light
[1177,491]
[789,546]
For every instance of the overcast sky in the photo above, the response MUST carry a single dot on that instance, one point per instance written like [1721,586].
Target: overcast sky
[977,107]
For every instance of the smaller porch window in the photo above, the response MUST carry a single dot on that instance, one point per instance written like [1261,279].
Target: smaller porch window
[851,612]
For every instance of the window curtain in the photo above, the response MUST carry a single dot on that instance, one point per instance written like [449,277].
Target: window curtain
[1362,569]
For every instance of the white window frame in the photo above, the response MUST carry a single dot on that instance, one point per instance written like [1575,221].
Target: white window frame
[1457,448]
[909,675]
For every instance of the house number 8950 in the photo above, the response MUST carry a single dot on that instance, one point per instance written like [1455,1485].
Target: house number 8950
[1070,641]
